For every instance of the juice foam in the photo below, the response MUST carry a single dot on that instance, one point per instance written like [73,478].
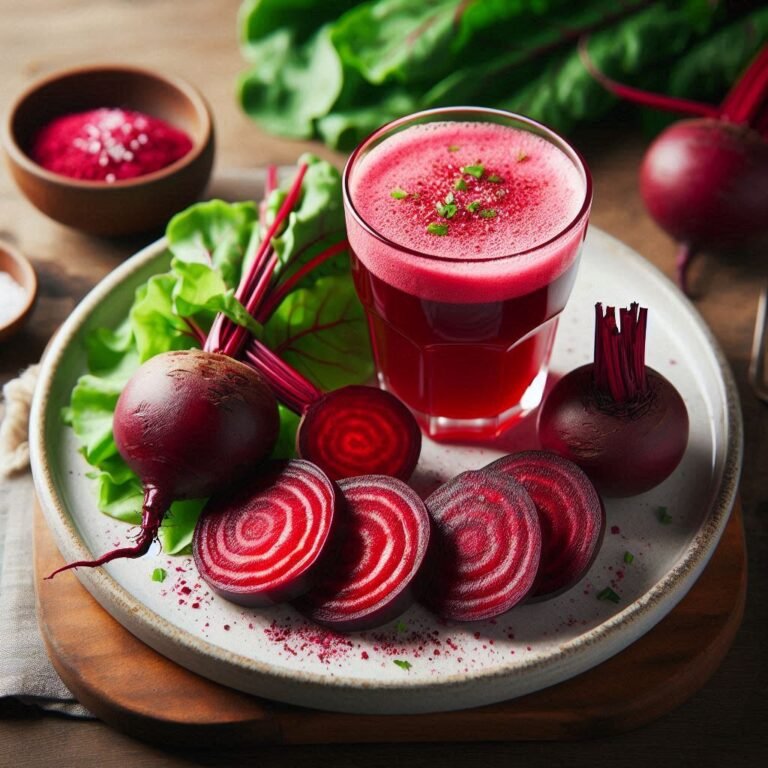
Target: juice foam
[482,200]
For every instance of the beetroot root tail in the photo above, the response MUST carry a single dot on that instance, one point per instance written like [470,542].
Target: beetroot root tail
[137,550]
[683,259]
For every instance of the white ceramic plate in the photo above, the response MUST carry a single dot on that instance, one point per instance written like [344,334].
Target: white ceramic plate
[276,654]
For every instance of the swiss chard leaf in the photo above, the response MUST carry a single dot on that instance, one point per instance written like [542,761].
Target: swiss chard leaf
[291,85]
[322,333]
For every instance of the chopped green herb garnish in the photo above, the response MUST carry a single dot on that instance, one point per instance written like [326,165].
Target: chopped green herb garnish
[401,627]
[435,228]
[474,170]
[608,594]
[522,156]
[473,206]
[453,148]
[159,574]
[488,213]
[495,178]
[460,185]
[398,194]
[628,557]
[447,211]
[406,665]
[664,517]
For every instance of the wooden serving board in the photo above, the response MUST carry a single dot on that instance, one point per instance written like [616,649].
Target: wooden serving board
[135,690]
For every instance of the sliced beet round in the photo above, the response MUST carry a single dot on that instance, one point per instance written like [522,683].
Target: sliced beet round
[486,546]
[571,515]
[384,533]
[360,430]
[262,542]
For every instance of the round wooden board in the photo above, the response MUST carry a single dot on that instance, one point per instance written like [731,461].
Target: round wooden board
[134,689]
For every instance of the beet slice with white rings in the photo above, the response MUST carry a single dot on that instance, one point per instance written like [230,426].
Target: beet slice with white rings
[486,546]
[571,514]
[263,542]
[384,534]
[359,430]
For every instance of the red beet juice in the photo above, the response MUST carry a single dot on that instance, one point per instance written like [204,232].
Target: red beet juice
[465,228]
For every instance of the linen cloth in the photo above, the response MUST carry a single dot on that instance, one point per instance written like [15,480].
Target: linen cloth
[26,673]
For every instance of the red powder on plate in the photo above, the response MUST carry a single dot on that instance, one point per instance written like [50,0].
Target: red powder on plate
[108,145]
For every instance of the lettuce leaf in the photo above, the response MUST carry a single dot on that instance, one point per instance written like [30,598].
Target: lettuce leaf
[319,327]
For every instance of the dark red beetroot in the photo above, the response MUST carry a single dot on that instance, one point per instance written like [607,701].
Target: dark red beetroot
[189,423]
[705,180]
[384,533]
[262,543]
[486,546]
[571,515]
[351,431]
[623,423]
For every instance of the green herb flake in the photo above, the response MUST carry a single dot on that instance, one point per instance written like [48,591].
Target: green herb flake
[474,170]
[435,228]
[401,627]
[488,213]
[628,557]
[494,178]
[473,206]
[522,156]
[609,595]
[446,210]
[453,148]
[398,194]
[406,665]
[159,574]
[460,185]
[663,515]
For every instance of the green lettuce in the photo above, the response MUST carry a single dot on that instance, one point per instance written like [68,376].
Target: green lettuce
[319,327]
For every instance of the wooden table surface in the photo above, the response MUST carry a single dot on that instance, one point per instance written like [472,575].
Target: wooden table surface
[197,39]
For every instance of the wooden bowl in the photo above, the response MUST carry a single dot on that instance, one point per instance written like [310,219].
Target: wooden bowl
[124,207]
[23,273]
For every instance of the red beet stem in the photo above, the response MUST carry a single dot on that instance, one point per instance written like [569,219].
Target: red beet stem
[747,98]
[619,369]
[280,291]
[644,98]
[225,338]
[290,387]
[155,506]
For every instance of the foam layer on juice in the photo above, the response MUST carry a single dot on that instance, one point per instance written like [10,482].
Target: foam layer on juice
[467,192]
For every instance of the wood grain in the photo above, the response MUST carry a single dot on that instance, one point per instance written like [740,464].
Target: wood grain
[134,689]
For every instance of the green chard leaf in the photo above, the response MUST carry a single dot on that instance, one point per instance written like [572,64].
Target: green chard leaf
[323,334]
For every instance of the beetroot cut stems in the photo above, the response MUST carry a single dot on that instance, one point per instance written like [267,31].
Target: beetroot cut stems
[622,422]
[384,533]
[705,180]
[263,542]
[486,546]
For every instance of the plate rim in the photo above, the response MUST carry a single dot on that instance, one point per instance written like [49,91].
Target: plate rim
[157,631]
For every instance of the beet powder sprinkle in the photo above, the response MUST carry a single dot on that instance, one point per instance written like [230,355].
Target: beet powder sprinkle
[108,145]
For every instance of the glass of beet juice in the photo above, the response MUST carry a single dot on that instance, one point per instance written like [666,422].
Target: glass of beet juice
[465,226]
